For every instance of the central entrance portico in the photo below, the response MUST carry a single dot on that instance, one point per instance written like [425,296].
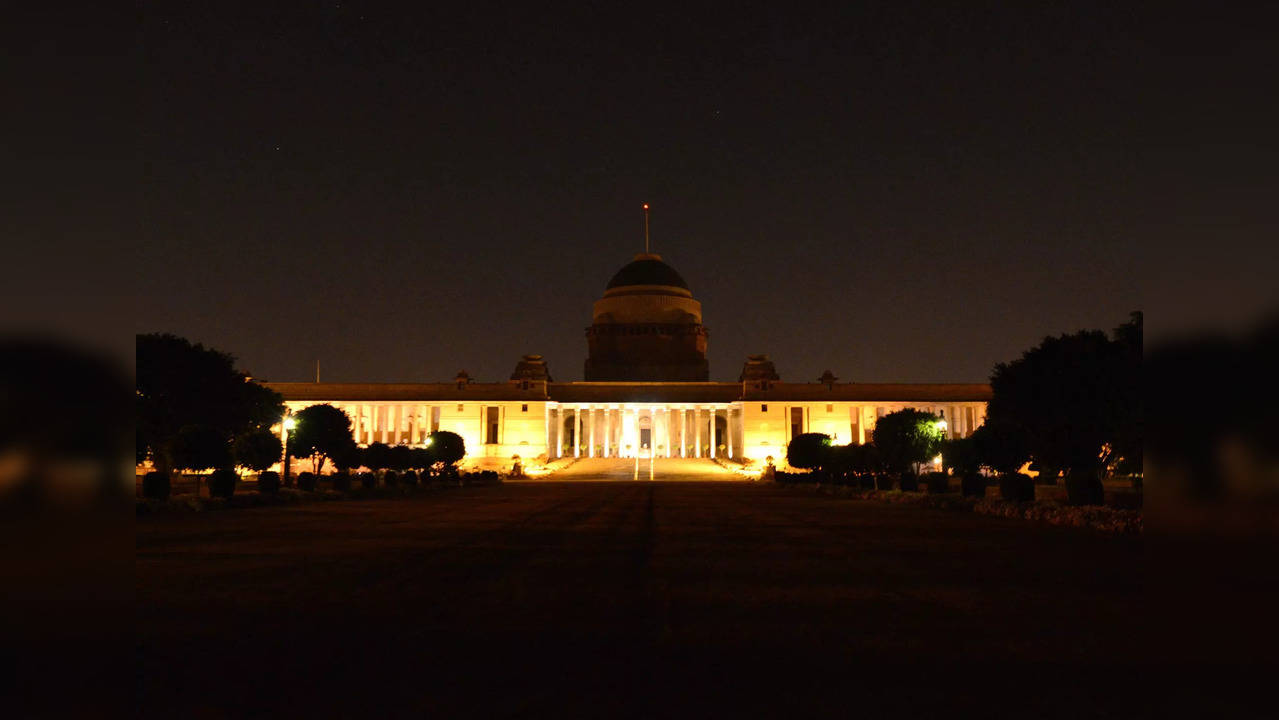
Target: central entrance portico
[628,430]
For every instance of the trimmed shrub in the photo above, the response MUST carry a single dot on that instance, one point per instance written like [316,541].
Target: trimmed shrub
[156,485]
[1016,487]
[269,482]
[342,481]
[390,478]
[306,481]
[973,485]
[808,451]
[937,483]
[884,482]
[410,477]
[368,480]
[909,482]
[222,483]
[1084,489]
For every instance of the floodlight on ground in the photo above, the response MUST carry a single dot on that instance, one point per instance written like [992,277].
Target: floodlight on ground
[290,423]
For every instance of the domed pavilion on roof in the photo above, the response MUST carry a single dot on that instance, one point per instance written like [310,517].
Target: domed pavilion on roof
[647,327]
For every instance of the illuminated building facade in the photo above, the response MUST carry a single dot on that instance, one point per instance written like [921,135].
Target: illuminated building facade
[646,393]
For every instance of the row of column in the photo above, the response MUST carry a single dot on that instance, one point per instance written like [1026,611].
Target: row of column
[390,429]
[630,430]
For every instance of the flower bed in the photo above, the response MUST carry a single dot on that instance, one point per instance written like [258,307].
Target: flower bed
[1097,517]
[291,496]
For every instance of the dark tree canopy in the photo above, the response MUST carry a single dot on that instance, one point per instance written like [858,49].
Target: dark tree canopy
[257,450]
[808,451]
[180,385]
[960,454]
[401,458]
[1001,445]
[200,447]
[1072,396]
[907,438]
[320,431]
[346,456]
[851,459]
[377,456]
[421,458]
[447,448]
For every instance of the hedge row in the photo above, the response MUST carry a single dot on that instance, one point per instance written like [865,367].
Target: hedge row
[1013,487]
[223,483]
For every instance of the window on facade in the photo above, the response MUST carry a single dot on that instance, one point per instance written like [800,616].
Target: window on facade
[796,421]
[491,421]
[459,408]
[524,384]
[763,408]
[830,408]
[524,407]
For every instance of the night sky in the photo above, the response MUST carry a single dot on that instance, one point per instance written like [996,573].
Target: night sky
[895,192]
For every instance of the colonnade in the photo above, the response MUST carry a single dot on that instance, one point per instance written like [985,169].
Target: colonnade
[391,423]
[627,430]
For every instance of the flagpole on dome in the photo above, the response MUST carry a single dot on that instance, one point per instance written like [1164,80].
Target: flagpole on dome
[646,251]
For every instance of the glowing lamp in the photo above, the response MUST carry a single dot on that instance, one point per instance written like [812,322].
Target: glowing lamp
[290,423]
[941,424]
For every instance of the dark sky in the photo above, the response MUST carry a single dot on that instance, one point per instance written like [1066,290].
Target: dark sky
[895,192]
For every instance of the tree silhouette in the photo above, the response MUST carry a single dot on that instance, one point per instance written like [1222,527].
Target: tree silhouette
[182,385]
[907,438]
[1073,398]
[257,450]
[321,431]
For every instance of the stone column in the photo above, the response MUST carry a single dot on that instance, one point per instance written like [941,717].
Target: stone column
[683,423]
[670,431]
[728,424]
[697,431]
[577,434]
[608,428]
[590,414]
[713,414]
[558,426]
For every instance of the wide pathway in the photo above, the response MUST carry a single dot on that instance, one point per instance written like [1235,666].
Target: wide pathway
[630,469]
[632,600]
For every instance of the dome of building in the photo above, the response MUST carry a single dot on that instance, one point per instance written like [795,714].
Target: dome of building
[647,269]
[647,327]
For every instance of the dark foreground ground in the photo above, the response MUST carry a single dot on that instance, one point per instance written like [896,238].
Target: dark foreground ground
[640,599]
